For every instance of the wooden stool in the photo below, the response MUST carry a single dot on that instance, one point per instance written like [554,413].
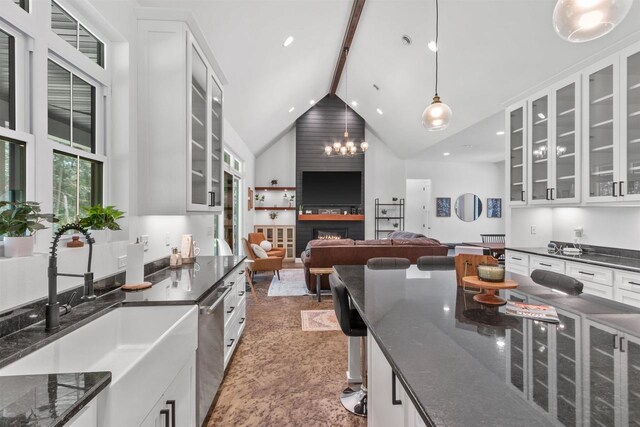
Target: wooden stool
[318,272]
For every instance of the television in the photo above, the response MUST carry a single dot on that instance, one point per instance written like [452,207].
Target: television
[332,188]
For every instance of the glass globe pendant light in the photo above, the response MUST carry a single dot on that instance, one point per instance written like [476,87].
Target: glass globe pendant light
[437,115]
[583,20]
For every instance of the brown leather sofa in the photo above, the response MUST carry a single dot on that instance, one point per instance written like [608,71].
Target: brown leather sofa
[327,253]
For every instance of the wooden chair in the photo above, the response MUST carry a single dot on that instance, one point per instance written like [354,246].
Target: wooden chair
[467,265]
[273,264]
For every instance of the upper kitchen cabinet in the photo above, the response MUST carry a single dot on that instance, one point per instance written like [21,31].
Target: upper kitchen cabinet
[539,145]
[180,112]
[629,185]
[516,152]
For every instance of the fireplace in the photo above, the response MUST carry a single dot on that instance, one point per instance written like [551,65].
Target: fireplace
[330,233]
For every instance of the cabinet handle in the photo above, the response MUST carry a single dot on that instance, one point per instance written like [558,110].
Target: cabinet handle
[614,189]
[622,350]
[241,293]
[165,413]
[547,196]
[522,196]
[212,195]
[518,259]
[172,403]
[242,321]
[546,265]
[231,310]
[586,273]
[552,198]
[394,401]
[615,341]
[620,188]
[231,342]
[634,283]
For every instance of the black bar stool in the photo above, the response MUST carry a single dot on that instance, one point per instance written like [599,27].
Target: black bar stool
[557,281]
[355,401]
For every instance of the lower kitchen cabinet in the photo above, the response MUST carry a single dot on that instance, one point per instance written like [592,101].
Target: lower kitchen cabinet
[87,417]
[177,405]
[235,314]
[387,402]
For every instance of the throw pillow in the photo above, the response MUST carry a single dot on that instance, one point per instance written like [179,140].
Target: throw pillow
[266,245]
[258,251]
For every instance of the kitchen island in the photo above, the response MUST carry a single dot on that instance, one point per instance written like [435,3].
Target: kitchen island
[458,363]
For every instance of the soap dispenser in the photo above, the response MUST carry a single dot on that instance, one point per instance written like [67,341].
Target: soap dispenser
[176,259]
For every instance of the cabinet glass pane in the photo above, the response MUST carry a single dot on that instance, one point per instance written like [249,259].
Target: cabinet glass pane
[633,125]
[7,83]
[601,101]
[539,148]
[540,363]
[565,143]
[633,383]
[198,129]
[216,140]
[602,385]
[516,145]
[566,380]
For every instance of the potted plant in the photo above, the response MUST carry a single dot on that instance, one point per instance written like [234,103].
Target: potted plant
[273,215]
[99,219]
[19,221]
[300,210]
[274,182]
[291,199]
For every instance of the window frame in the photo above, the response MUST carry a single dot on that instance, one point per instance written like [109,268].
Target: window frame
[80,22]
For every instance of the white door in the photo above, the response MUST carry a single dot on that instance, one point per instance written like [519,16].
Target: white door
[417,209]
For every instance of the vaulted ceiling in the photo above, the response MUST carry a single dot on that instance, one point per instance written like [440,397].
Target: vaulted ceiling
[491,52]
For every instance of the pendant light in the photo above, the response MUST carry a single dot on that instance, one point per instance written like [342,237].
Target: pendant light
[583,20]
[437,115]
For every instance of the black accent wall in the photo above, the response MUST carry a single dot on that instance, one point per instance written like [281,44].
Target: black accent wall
[322,125]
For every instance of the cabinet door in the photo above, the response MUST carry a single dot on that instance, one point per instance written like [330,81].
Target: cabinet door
[540,364]
[539,146]
[517,350]
[198,199]
[215,188]
[568,373]
[180,397]
[566,164]
[602,378]
[630,393]
[600,126]
[516,147]
[629,185]
[382,410]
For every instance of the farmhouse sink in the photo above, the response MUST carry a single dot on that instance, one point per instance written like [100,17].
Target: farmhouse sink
[140,346]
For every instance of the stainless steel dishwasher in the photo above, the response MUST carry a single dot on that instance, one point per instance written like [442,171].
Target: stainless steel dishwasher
[210,353]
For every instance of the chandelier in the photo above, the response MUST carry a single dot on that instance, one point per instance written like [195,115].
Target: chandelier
[346,147]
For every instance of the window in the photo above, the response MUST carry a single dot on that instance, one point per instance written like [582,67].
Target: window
[76,34]
[23,4]
[77,183]
[71,104]
[7,81]
[13,175]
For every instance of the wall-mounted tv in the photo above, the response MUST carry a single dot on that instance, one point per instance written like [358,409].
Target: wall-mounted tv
[332,188]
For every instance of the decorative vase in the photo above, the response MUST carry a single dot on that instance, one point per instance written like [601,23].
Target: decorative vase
[99,236]
[15,247]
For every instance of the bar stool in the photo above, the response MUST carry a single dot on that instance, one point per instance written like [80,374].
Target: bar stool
[354,401]
[436,263]
[557,281]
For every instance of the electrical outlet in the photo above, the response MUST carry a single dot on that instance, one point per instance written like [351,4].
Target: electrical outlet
[209,231]
[122,261]
[167,239]
[144,239]
[577,232]
[534,229]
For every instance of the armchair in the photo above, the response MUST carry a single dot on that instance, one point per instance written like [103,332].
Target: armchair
[256,238]
[271,263]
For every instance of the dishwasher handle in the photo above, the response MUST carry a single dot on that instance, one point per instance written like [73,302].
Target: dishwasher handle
[218,301]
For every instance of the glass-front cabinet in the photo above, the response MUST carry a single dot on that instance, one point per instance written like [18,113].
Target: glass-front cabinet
[539,145]
[566,153]
[516,147]
[215,189]
[629,181]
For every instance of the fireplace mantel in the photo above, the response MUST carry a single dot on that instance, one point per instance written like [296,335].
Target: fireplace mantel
[329,217]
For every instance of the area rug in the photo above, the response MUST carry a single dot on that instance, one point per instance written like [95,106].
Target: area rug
[290,284]
[319,320]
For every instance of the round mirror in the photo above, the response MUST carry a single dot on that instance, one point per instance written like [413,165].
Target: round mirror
[468,207]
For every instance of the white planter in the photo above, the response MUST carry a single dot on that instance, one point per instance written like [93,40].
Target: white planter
[15,247]
[99,236]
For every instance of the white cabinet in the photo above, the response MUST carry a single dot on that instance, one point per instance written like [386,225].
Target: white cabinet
[546,263]
[629,177]
[387,402]
[180,112]
[596,280]
[517,262]
[516,137]
[87,417]
[235,311]
[627,287]
[176,406]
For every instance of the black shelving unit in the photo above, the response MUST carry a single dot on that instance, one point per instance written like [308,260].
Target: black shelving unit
[384,222]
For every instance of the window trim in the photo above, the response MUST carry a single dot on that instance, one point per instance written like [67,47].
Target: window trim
[79,156]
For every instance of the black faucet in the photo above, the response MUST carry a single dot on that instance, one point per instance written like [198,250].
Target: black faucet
[52,313]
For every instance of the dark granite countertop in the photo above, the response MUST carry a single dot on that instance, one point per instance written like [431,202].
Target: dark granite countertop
[47,400]
[456,358]
[601,259]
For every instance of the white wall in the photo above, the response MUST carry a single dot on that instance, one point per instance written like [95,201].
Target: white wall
[520,223]
[451,179]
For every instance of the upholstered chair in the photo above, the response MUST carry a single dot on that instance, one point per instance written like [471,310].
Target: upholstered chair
[256,238]
[258,265]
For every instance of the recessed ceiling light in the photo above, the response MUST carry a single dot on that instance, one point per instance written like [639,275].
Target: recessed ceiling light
[313,101]
[287,41]
[291,109]
[500,132]
[446,154]
[406,40]
[433,47]
[379,111]
[354,103]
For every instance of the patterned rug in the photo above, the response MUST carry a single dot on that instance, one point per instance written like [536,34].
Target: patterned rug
[319,320]
[290,284]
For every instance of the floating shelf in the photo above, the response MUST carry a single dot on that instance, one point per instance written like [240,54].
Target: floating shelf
[274,208]
[275,188]
[330,217]
[603,98]
[564,113]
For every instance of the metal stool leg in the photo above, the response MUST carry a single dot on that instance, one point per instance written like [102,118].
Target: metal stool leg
[355,401]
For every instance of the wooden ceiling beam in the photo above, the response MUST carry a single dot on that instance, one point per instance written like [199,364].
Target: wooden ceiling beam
[356,11]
